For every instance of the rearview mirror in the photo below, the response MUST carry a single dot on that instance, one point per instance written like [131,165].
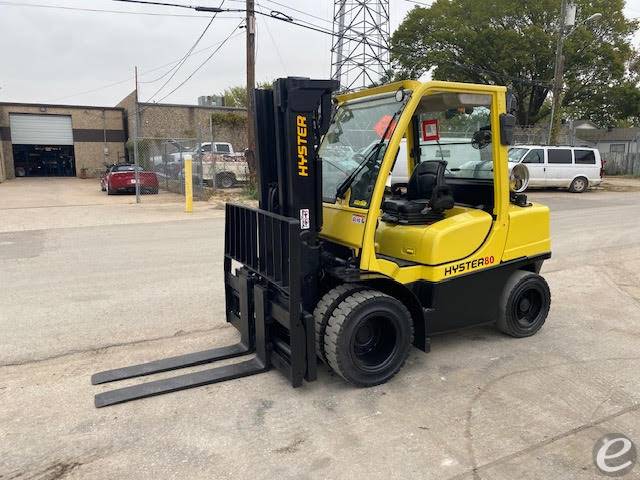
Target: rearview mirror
[507,128]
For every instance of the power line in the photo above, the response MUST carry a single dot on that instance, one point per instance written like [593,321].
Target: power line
[145,72]
[299,11]
[275,46]
[104,87]
[311,15]
[231,35]
[98,10]
[185,57]
[274,14]
[418,3]
[149,2]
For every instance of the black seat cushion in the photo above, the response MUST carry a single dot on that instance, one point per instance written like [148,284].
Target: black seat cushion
[424,179]
[426,199]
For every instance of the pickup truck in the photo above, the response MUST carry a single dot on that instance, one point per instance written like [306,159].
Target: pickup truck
[227,166]
[229,170]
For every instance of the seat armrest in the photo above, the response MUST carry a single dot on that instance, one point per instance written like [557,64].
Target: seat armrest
[397,187]
[442,199]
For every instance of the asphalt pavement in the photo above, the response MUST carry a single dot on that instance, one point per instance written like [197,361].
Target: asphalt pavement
[85,294]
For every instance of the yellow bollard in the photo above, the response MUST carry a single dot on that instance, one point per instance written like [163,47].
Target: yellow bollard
[188,184]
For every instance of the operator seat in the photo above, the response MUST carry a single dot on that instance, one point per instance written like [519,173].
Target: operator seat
[427,197]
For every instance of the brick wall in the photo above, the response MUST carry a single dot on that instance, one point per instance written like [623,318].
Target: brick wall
[89,128]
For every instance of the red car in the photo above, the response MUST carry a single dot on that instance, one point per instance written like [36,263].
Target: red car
[122,178]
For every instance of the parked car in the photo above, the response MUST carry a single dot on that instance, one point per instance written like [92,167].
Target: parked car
[575,168]
[121,177]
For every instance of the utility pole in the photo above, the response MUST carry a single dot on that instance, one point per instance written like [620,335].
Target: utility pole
[104,136]
[213,157]
[567,19]
[251,83]
[558,79]
[135,140]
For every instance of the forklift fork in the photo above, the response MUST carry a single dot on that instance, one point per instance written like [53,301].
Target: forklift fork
[251,342]
[261,303]
[272,254]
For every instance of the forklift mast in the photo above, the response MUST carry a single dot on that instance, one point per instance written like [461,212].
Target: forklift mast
[296,113]
[272,254]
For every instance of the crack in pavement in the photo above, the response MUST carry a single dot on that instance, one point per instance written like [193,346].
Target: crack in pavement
[104,348]
[475,468]
[548,441]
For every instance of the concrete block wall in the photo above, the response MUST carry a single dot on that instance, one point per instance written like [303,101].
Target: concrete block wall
[182,121]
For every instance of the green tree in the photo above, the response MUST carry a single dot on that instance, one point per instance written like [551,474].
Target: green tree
[236,96]
[512,42]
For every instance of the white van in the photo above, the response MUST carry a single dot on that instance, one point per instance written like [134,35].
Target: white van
[575,168]
[464,160]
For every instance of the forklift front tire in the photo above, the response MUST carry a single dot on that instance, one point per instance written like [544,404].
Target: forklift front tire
[524,304]
[368,338]
[324,309]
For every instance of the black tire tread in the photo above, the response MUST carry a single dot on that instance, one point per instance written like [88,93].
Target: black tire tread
[502,322]
[325,307]
[335,323]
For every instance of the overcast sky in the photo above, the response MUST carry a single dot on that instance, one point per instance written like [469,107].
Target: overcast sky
[67,56]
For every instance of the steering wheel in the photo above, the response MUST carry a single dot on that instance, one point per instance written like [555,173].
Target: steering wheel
[481,139]
[397,189]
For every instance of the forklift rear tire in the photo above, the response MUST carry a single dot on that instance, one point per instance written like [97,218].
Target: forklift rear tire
[368,338]
[325,308]
[524,304]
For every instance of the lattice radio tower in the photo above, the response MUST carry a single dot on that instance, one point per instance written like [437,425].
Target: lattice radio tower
[360,51]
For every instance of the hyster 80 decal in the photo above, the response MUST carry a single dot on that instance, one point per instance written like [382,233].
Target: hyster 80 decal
[469,265]
[302,131]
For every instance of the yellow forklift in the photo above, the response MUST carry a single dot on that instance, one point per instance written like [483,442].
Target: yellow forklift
[343,263]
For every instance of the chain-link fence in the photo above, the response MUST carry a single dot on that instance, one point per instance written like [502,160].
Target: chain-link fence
[531,135]
[214,165]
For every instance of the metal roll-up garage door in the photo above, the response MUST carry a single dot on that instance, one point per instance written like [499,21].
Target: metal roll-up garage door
[41,129]
[42,145]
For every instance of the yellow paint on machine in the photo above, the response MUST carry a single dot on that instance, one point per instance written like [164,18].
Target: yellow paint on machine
[303,151]
[468,239]
[528,231]
[438,243]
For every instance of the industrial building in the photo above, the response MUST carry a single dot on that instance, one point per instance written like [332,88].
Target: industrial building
[59,140]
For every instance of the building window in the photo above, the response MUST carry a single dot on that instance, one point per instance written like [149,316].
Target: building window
[617,147]
[585,157]
[558,155]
